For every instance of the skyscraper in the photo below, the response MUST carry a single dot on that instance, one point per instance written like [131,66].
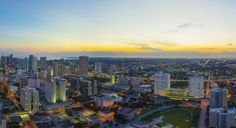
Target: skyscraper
[24,63]
[88,87]
[32,64]
[55,90]
[83,65]
[75,83]
[43,62]
[98,67]
[57,69]
[196,87]
[4,62]
[61,89]
[29,99]
[218,98]
[161,83]
[221,118]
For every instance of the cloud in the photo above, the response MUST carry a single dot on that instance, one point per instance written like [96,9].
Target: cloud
[184,26]
[162,43]
[143,46]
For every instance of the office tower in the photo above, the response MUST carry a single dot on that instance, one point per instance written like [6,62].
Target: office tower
[196,87]
[43,62]
[98,67]
[75,83]
[83,65]
[88,87]
[32,64]
[221,118]
[24,63]
[29,99]
[61,89]
[57,69]
[161,83]
[11,61]
[4,62]
[218,98]
[55,90]
[50,91]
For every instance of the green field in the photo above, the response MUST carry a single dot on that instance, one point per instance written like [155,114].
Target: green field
[178,118]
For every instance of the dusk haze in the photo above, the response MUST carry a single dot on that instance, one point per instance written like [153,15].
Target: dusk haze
[118,64]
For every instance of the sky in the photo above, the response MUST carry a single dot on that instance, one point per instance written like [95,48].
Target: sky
[119,28]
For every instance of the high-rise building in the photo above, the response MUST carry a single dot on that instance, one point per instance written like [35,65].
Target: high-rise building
[32,64]
[61,89]
[55,90]
[196,87]
[57,69]
[29,99]
[218,98]
[161,83]
[24,63]
[221,118]
[98,67]
[50,91]
[75,83]
[83,65]
[43,62]
[4,62]
[88,87]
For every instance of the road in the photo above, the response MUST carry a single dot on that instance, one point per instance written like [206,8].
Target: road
[203,105]
[202,119]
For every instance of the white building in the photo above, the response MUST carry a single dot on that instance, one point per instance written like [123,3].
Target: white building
[107,101]
[221,118]
[98,67]
[218,98]
[161,82]
[196,87]
[29,99]
[55,90]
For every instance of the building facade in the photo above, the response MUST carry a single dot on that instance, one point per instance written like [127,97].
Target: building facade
[83,65]
[161,82]
[196,87]
[29,99]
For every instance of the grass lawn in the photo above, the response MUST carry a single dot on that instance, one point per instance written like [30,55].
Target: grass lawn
[178,118]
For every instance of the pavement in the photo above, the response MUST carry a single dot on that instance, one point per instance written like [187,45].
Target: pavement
[202,119]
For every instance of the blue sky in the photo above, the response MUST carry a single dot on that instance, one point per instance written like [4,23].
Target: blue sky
[146,27]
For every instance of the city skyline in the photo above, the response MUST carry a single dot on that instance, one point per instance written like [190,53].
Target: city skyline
[152,29]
